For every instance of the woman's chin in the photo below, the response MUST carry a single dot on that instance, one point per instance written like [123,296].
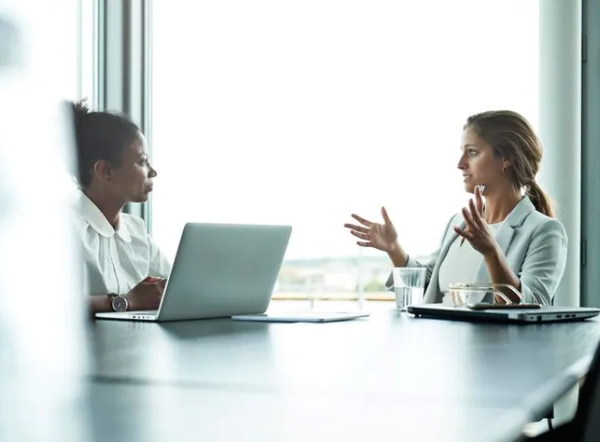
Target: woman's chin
[142,198]
[469,188]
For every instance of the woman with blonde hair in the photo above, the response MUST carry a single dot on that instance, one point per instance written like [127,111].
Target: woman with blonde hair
[512,238]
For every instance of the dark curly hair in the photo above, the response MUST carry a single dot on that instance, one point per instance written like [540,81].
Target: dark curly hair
[99,136]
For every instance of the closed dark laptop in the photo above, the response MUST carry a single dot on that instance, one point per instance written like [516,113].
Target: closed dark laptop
[510,315]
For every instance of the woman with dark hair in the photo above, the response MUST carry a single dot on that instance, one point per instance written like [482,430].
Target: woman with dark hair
[124,269]
[511,239]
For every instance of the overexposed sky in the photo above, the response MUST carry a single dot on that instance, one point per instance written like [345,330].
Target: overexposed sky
[304,112]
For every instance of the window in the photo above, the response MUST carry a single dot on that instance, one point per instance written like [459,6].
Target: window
[304,112]
[86,56]
[72,64]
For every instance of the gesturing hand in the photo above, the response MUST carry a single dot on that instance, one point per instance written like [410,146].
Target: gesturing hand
[379,236]
[477,231]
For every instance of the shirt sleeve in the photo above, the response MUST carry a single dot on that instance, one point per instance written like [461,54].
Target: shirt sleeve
[160,266]
[544,263]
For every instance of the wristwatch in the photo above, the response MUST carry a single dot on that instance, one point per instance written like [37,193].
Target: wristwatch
[119,303]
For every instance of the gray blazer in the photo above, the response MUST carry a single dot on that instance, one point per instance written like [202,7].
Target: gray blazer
[534,244]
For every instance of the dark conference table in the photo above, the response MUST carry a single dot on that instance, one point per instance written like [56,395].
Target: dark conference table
[383,378]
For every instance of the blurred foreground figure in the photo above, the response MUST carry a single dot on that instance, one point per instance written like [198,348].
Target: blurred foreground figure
[42,360]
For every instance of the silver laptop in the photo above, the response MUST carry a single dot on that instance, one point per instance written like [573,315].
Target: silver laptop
[511,315]
[220,270]
[305,316]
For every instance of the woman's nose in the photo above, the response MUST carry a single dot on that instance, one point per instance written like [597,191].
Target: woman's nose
[463,161]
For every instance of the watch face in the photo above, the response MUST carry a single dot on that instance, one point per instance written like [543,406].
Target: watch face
[119,304]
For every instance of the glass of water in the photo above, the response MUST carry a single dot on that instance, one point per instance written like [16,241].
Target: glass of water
[409,286]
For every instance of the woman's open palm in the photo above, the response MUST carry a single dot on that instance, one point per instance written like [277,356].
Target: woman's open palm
[379,236]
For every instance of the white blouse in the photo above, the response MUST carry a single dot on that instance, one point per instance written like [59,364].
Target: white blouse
[461,264]
[116,260]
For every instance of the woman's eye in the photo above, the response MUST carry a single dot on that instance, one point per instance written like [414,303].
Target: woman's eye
[472,153]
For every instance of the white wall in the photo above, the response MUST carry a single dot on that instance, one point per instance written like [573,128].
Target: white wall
[590,281]
[560,126]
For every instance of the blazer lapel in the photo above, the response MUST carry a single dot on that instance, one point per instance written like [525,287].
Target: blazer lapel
[507,231]
[433,294]
[449,240]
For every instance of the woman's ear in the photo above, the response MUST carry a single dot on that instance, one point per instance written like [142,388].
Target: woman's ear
[103,170]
